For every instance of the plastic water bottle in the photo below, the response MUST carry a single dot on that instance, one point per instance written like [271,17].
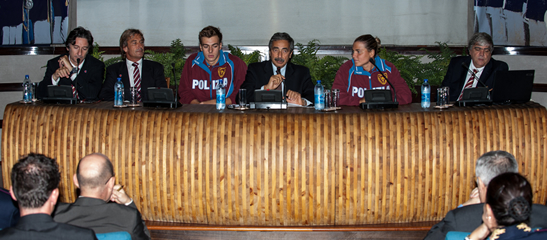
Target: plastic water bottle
[426,94]
[319,96]
[27,90]
[221,97]
[118,93]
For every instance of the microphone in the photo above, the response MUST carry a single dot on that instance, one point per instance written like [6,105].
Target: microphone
[176,89]
[474,75]
[371,60]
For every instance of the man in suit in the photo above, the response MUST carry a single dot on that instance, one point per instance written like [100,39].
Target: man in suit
[95,179]
[206,70]
[9,213]
[467,218]
[35,180]
[466,71]
[133,70]
[278,71]
[76,68]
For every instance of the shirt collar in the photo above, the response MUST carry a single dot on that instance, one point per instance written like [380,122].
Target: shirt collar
[130,63]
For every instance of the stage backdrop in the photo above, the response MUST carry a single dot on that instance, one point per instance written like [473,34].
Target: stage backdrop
[244,22]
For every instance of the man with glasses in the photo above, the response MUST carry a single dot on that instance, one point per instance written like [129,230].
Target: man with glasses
[466,71]
[77,68]
[95,179]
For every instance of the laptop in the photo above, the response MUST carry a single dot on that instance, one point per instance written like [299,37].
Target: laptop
[513,86]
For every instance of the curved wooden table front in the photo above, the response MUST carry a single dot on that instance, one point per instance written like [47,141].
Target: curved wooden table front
[196,165]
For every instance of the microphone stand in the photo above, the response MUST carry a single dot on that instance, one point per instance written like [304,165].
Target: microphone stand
[385,76]
[176,89]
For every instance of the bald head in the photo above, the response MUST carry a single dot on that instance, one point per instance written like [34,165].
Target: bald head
[94,171]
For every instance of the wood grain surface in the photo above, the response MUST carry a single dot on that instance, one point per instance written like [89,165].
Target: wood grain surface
[294,168]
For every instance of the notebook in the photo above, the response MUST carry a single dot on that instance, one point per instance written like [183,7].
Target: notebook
[513,86]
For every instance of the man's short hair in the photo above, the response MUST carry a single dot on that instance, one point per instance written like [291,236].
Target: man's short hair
[281,36]
[209,32]
[106,172]
[481,39]
[126,35]
[494,163]
[33,178]
[79,32]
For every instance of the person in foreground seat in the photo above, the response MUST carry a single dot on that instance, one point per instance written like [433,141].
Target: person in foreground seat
[95,178]
[35,180]
[359,74]
[467,218]
[507,210]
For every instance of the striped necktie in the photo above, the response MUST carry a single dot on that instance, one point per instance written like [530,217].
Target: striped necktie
[137,80]
[469,83]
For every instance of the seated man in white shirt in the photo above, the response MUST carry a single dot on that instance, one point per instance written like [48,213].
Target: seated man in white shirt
[76,68]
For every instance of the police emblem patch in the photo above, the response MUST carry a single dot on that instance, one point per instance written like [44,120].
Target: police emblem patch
[221,71]
[382,79]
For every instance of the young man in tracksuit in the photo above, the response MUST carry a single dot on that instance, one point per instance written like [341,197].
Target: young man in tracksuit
[204,71]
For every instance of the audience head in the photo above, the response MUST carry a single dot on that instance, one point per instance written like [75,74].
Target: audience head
[35,180]
[480,48]
[508,201]
[490,165]
[78,43]
[210,43]
[95,176]
[132,45]
[364,48]
[281,48]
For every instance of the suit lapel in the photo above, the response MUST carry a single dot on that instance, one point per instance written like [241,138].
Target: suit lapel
[145,74]
[463,77]
[486,72]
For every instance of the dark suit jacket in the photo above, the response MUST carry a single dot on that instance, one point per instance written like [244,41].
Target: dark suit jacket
[41,226]
[90,78]
[9,212]
[297,78]
[151,76]
[102,217]
[455,76]
[466,219]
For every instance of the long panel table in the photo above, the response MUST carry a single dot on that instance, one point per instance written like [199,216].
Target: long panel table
[296,167]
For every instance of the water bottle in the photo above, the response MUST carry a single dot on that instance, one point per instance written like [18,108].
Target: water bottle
[27,90]
[221,97]
[426,94]
[319,96]
[118,93]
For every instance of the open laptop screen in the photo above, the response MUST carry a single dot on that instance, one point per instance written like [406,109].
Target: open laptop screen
[513,86]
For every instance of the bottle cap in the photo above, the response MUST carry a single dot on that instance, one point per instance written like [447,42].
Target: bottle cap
[425,80]
[119,79]
[318,81]
[26,76]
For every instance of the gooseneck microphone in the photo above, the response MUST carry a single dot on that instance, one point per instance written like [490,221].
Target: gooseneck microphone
[474,75]
[371,60]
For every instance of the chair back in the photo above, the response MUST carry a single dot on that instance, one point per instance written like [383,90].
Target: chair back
[114,236]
